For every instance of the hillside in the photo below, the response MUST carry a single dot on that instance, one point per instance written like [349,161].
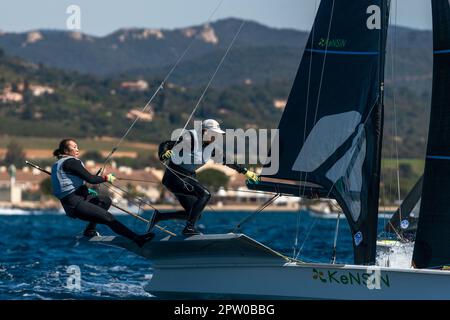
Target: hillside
[129,49]
[260,53]
[259,70]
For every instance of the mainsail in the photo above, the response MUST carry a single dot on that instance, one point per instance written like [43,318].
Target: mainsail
[432,246]
[330,132]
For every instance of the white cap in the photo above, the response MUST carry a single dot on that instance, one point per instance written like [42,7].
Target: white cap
[213,125]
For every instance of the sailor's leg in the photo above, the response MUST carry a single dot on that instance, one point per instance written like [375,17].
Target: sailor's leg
[94,214]
[202,198]
[172,215]
[183,194]
[101,201]
[192,196]
[90,230]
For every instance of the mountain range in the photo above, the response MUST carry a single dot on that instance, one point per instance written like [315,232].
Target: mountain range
[86,70]
[260,53]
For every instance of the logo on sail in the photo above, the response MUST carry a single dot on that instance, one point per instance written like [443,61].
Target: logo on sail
[358,238]
[332,43]
[404,224]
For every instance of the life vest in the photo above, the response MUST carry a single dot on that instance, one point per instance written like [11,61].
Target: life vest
[64,183]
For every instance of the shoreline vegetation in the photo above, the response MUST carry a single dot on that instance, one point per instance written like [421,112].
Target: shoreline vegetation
[33,206]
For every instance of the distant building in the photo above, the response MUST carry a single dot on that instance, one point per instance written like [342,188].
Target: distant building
[144,116]
[9,96]
[146,181]
[139,85]
[11,190]
[38,90]
[279,103]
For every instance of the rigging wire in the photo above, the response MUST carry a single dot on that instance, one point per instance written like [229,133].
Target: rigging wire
[324,62]
[357,145]
[318,102]
[160,87]
[306,237]
[177,174]
[212,77]
[227,189]
[394,70]
[308,91]
[264,206]
[336,233]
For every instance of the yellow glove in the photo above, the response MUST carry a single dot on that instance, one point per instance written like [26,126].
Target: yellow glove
[167,155]
[110,178]
[252,177]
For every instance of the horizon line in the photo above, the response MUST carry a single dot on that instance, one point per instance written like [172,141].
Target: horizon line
[87,33]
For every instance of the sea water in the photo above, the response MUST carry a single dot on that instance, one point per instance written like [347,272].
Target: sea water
[44,256]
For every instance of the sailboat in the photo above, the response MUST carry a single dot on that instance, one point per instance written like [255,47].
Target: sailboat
[330,147]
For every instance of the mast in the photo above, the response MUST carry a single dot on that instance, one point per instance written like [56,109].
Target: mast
[372,220]
[432,245]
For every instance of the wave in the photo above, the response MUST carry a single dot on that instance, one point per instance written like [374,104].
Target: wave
[22,212]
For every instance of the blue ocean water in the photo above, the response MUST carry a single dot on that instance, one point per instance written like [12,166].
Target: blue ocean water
[37,251]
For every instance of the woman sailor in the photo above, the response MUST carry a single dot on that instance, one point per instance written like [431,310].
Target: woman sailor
[68,182]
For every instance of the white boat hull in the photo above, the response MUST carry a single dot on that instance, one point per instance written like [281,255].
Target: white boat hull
[297,281]
[235,266]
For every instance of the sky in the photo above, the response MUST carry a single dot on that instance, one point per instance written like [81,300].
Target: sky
[101,17]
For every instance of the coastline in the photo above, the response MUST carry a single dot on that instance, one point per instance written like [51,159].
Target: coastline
[51,206]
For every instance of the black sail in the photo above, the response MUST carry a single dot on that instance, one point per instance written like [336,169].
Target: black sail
[432,246]
[330,132]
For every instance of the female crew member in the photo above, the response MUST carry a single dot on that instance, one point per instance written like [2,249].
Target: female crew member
[68,182]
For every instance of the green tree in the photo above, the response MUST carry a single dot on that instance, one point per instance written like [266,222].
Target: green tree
[2,53]
[213,179]
[15,154]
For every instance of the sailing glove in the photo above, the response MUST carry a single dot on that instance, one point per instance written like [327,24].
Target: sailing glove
[110,178]
[252,177]
[92,192]
[167,155]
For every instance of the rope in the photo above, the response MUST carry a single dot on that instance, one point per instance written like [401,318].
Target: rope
[264,206]
[160,87]
[306,238]
[324,61]
[308,91]
[297,233]
[336,233]
[227,189]
[394,69]
[212,78]
[138,201]
[319,91]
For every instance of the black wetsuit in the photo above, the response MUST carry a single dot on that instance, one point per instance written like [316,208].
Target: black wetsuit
[92,209]
[191,194]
